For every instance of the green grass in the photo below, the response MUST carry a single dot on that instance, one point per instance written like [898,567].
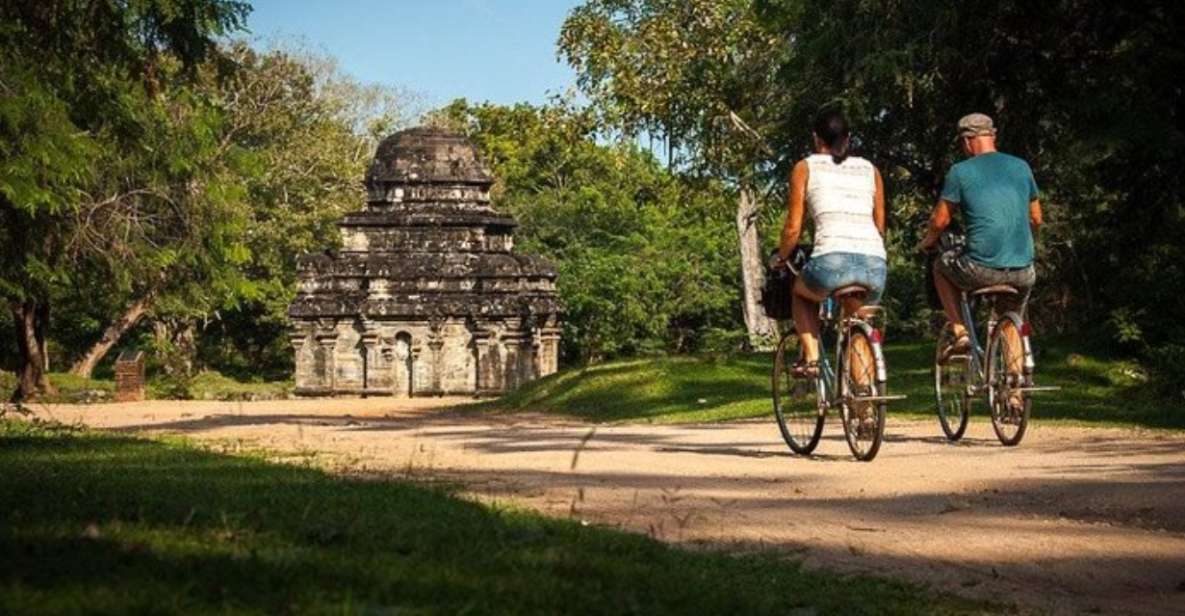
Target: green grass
[71,388]
[210,385]
[206,385]
[689,389]
[103,524]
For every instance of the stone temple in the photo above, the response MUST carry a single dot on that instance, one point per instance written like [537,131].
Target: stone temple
[426,295]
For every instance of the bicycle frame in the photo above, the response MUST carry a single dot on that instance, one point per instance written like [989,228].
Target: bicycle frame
[978,368]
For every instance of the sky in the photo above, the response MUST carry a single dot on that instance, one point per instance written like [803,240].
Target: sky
[501,51]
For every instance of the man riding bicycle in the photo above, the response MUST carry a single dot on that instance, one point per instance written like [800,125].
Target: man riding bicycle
[997,196]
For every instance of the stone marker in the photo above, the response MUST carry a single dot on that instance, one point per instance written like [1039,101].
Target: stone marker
[426,296]
[129,376]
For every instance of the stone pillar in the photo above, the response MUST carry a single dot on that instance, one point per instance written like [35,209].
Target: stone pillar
[549,349]
[486,361]
[436,353]
[372,366]
[417,354]
[298,337]
[326,353]
[516,358]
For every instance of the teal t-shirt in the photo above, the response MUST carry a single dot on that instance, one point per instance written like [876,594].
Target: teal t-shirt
[993,192]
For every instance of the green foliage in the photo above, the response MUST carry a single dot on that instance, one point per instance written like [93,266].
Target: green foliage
[305,133]
[113,180]
[646,258]
[698,73]
[100,523]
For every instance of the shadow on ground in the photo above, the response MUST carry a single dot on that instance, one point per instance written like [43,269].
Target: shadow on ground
[111,524]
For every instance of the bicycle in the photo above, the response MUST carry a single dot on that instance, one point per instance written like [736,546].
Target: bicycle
[857,385]
[1003,371]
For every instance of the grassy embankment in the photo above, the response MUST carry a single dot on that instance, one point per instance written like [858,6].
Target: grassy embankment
[102,524]
[679,389]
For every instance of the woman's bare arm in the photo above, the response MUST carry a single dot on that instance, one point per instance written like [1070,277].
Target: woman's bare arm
[794,210]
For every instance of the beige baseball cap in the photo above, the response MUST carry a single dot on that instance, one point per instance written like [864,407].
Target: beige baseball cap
[975,124]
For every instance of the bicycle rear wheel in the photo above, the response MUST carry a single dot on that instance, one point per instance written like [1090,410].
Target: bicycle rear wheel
[952,375]
[863,420]
[1010,405]
[796,404]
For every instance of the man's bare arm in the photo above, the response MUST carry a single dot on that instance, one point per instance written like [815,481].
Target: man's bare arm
[939,221]
[1036,219]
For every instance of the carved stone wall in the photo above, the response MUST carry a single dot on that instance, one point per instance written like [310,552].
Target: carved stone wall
[426,296]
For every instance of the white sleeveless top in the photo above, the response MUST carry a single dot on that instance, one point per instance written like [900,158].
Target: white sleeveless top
[840,201]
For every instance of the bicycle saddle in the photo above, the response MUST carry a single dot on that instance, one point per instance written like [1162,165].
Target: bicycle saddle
[996,289]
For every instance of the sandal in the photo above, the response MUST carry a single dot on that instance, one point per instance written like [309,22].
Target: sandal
[803,369]
[961,346]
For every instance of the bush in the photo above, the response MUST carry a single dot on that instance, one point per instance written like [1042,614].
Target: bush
[1167,365]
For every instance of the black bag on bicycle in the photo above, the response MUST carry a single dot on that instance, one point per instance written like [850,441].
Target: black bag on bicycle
[779,283]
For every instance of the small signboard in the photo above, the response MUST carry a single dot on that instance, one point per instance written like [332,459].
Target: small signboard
[129,376]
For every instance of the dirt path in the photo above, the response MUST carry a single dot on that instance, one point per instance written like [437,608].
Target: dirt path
[1074,520]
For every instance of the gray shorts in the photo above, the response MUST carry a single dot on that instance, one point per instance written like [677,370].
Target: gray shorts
[969,275]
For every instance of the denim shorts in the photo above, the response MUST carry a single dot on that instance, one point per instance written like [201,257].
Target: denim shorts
[826,273]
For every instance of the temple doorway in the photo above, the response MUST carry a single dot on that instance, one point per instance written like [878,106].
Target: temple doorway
[402,386]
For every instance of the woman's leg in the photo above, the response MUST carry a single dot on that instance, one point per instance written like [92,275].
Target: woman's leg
[805,307]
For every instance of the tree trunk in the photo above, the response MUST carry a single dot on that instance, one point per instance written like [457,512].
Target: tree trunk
[32,380]
[85,366]
[759,326]
[40,325]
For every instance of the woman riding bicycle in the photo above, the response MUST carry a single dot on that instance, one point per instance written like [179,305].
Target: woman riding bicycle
[846,200]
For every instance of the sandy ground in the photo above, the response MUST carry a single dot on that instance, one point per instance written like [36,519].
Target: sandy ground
[1074,520]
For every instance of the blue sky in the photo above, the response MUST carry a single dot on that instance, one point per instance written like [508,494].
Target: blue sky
[497,50]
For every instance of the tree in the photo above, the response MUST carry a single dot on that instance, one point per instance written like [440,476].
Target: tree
[309,131]
[643,254]
[79,82]
[700,73]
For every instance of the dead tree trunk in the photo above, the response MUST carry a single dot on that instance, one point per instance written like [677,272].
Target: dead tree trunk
[759,327]
[32,379]
[85,366]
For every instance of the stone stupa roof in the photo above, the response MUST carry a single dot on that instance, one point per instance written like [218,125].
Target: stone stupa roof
[430,238]
[427,155]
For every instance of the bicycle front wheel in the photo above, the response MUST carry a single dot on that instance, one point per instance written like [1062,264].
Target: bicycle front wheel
[1009,403]
[796,403]
[951,378]
[863,419]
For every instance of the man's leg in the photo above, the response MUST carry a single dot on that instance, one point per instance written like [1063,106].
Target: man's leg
[805,308]
[950,295]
